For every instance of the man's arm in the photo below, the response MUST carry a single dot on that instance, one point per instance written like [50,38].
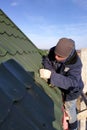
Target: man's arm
[47,61]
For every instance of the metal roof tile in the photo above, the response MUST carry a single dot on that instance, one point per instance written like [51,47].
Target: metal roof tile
[5,106]
[10,85]
[40,109]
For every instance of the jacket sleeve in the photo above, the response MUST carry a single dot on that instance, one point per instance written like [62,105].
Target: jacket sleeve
[48,60]
[47,63]
[65,82]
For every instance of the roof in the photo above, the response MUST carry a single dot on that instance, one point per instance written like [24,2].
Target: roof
[27,102]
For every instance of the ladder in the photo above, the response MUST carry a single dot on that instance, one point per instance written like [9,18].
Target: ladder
[82,114]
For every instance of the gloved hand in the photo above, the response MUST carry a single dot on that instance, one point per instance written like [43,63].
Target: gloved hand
[47,63]
[45,73]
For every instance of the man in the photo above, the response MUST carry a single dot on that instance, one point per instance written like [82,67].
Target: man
[62,68]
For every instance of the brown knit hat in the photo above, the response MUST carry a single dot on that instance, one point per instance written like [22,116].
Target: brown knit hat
[64,47]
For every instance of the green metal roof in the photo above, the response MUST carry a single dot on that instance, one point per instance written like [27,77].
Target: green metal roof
[20,61]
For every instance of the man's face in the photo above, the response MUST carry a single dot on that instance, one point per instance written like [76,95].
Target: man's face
[59,58]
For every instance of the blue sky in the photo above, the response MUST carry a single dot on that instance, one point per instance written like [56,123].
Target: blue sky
[46,21]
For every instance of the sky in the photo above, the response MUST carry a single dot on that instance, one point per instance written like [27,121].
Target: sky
[44,22]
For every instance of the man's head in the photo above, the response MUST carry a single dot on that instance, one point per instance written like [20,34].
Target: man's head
[64,48]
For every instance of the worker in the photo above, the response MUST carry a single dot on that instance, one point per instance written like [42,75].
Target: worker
[62,69]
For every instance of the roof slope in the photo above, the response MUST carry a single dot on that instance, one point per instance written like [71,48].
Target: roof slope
[27,101]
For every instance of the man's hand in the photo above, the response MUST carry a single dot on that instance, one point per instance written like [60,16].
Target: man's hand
[45,73]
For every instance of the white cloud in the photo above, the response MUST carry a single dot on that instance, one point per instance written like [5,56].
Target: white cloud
[43,42]
[76,29]
[14,4]
[52,33]
[46,42]
[45,35]
[35,19]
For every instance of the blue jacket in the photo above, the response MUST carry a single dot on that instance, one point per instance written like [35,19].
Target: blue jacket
[66,76]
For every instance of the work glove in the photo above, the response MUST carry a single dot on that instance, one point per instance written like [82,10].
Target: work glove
[45,73]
